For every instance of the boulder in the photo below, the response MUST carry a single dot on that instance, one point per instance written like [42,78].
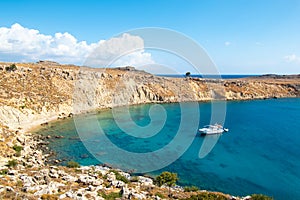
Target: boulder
[145,181]
[111,177]
[117,183]
[69,178]
[12,172]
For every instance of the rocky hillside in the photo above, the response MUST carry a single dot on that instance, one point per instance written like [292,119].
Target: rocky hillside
[33,93]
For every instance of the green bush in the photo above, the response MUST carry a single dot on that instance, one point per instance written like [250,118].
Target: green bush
[166,178]
[207,196]
[18,154]
[3,171]
[134,179]
[12,163]
[122,178]
[17,148]
[110,196]
[160,195]
[119,176]
[260,197]
[73,164]
[19,184]
[12,67]
[191,189]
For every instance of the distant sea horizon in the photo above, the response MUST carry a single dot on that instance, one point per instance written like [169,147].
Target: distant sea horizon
[212,76]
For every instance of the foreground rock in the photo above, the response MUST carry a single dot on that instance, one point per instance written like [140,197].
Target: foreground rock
[94,182]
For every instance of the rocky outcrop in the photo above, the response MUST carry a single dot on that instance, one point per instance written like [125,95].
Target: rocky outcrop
[90,182]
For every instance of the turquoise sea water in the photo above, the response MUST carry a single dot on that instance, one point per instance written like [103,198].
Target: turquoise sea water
[260,153]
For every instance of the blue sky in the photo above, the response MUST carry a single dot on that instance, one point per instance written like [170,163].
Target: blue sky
[241,36]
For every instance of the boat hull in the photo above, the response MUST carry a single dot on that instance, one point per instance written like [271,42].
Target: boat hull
[212,129]
[211,132]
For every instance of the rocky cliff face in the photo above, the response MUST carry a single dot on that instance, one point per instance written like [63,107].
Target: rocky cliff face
[35,93]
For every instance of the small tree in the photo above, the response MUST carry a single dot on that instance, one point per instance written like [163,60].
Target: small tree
[12,67]
[167,178]
[73,164]
[188,74]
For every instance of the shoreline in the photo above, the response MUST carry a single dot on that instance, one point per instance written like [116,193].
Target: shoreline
[38,124]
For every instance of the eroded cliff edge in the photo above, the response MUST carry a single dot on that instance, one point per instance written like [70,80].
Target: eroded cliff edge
[34,93]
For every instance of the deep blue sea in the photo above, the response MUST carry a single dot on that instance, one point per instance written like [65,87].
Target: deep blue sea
[260,153]
[223,76]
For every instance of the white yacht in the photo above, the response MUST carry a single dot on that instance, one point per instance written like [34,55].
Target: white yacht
[213,129]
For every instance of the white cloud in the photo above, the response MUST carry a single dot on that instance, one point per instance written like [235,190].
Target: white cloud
[227,43]
[124,50]
[19,43]
[292,58]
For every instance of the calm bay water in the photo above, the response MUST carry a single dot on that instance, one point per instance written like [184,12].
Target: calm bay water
[260,153]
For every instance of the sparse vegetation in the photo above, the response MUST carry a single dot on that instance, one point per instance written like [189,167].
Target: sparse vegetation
[8,195]
[207,196]
[49,197]
[12,163]
[73,164]
[260,197]
[17,148]
[134,179]
[110,196]
[160,195]
[119,176]
[3,171]
[10,68]
[191,189]
[106,184]
[19,184]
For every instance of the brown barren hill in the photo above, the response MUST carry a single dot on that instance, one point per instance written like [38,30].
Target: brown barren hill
[34,93]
